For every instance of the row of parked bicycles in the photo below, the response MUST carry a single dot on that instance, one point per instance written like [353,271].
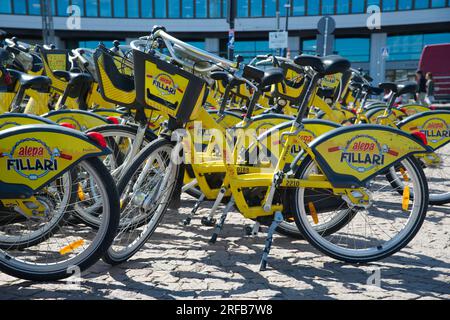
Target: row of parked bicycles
[98,145]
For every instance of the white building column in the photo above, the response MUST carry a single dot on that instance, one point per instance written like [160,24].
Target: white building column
[378,41]
[294,46]
[212,45]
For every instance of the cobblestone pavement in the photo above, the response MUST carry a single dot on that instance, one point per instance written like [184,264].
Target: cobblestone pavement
[180,263]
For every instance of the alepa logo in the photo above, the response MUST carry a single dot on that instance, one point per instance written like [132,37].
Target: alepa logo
[32,159]
[363,152]
[165,84]
[435,129]
[306,136]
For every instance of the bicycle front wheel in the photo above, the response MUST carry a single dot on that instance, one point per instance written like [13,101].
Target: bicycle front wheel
[145,190]
[65,245]
[371,233]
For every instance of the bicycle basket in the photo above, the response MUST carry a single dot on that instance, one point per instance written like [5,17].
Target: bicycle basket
[115,87]
[167,88]
[291,88]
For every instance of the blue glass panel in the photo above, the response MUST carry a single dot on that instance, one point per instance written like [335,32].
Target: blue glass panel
[200,8]
[242,8]
[62,7]
[421,4]
[354,49]
[91,8]
[188,8]
[34,7]
[358,6]
[174,8]
[309,46]
[435,38]
[249,49]
[92,44]
[256,8]
[198,44]
[80,4]
[133,8]
[327,7]
[147,9]
[298,7]
[313,7]
[105,8]
[405,47]
[5,6]
[214,8]
[20,6]
[389,5]
[160,9]
[270,8]
[119,8]
[437,3]
[373,3]
[342,6]
[404,4]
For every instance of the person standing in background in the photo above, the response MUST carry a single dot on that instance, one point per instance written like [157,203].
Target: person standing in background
[429,99]
[421,87]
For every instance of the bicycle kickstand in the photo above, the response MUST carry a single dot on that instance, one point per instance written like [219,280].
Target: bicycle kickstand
[278,218]
[187,221]
[219,225]
[209,220]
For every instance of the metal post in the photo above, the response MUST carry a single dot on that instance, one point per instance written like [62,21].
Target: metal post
[48,31]
[231,10]
[286,27]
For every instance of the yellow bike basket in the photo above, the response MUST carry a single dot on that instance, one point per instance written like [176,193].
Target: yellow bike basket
[167,88]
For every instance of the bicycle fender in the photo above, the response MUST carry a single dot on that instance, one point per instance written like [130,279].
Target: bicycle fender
[81,119]
[434,124]
[10,120]
[350,156]
[31,156]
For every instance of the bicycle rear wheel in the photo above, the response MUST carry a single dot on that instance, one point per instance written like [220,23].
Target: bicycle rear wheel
[373,233]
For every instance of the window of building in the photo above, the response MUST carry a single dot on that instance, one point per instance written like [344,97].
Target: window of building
[214,8]
[421,4]
[327,7]
[409,47]
[242,8]
[119,8]
[133,8]
[358,6]
[313,7]
[437,3]
[270,8]
[34,7]
[187,9]
[92,44]
[5,6]
[20,7]
[91,8]
[249,49]
[146,9]
[174,8]
[342,6]
[79,4]
[61,5]
[105,8]
[404,4]
[373,3]
[198,44]
[353,49]
[256,8]
[309,46]
[389,5]
[298,7]
[160,9]
[200,8]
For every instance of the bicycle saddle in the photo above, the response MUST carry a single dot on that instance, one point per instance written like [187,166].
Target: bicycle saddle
[29,81]
[73,78]
[263,78]
[372,90]
[221,76]
[399,89]
[324,65]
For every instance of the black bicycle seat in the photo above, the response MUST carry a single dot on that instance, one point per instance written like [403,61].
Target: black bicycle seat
[27,81]
[324,65]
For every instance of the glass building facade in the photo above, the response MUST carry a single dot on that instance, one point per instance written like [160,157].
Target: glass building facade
[173,9]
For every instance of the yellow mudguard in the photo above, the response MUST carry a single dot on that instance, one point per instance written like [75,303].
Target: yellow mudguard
[82,120]
[349,156]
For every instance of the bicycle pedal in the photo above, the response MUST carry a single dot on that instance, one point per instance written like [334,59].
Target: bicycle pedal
[208,222]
